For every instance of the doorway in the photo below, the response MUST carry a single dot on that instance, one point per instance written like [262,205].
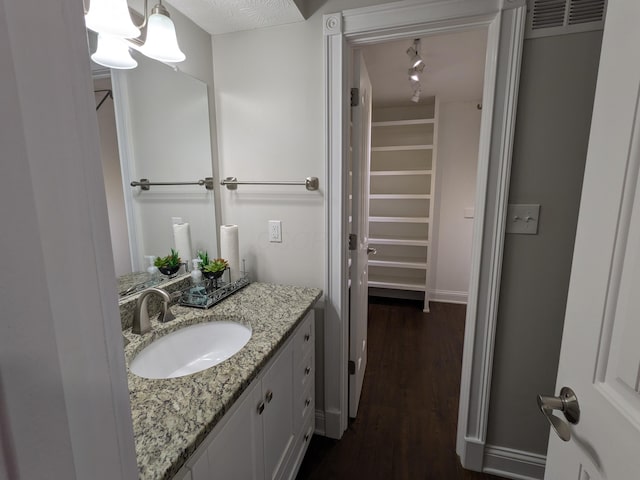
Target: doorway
[419,169]
[352,29]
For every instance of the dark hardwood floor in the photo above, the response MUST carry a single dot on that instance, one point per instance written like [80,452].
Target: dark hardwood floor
[406,425]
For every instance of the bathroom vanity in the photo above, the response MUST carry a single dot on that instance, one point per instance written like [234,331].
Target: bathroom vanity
[252,415]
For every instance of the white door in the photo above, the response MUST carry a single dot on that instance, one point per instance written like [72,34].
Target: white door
[600,356]
[360,160]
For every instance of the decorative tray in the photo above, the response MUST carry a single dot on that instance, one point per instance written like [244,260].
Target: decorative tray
[212,291]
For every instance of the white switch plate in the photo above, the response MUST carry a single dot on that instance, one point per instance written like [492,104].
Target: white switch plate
[523,219]
[469,212]
[275,231]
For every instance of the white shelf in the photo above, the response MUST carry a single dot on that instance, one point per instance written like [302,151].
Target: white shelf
[399,219]
[399,241]
[398,148]
[398,196]
[393,283]
[404,185]
[396,123]
[398,173]
[398,262]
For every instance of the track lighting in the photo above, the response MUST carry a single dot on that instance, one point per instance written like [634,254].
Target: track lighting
[416,66]
[414,54]
[111,20]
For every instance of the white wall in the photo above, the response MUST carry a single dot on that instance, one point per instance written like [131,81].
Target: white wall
[270,114]
[113,180]
[64,403]
[458,137]
[555,102]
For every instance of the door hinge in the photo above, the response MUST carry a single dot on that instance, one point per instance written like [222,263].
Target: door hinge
[355,97]
[353,241]
[352,367]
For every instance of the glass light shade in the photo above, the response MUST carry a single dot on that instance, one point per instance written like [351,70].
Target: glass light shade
[162,43]
[111,17]
[113,52]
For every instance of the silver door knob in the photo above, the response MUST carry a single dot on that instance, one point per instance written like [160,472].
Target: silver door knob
[371,250]
[567,403]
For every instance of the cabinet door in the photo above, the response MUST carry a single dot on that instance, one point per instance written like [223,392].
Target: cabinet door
[278,416]
[236,451]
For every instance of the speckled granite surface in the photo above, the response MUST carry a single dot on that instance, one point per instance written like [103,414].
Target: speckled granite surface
[171,417]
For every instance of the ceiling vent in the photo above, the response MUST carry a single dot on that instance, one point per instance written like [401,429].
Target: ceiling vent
[558,17]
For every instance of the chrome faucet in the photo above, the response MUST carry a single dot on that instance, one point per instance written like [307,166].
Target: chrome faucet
[141,322]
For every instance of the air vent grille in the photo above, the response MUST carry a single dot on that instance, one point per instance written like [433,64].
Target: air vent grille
[548,13]
[585,11]
[558,17]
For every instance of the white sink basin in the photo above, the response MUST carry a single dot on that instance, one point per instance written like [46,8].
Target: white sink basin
[190,349]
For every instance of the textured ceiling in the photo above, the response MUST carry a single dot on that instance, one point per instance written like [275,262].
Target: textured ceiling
[454,68]
[224,16]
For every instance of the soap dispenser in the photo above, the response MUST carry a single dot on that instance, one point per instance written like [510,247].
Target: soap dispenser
[152,270]
[196,274]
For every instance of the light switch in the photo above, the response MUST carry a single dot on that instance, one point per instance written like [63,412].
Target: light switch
[523,219]
[469,212]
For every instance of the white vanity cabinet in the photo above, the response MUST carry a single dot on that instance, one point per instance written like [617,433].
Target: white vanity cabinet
[266,432]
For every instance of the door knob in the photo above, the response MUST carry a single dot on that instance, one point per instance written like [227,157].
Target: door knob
[567,403]
[371,250]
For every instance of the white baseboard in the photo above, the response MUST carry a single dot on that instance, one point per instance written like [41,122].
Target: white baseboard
[320,423]
[515,464]
[448,296]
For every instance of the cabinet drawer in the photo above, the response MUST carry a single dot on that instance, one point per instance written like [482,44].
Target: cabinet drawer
[305,407]
[300,448]
[304,339]
[304,374]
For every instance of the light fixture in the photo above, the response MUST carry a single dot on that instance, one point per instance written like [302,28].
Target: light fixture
[414,54]
[113,52]
[162,43]
[111,17]
[116,32]
[416,66]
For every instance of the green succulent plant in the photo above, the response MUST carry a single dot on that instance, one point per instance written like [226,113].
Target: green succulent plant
[171,260]
[204,258]
[215,265]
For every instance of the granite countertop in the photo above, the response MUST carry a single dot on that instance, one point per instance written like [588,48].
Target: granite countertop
[171,417]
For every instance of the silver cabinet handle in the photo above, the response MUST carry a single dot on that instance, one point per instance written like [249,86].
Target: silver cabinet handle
[260,408]
[567,403]
[371,250]
[269,396]
[306,337]
[307,370]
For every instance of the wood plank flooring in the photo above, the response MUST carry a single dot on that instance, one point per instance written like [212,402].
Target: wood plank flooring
[407,418]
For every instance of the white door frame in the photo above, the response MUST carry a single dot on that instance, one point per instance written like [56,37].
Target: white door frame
[505,21]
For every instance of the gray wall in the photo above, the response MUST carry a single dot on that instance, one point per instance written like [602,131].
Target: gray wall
[555,100]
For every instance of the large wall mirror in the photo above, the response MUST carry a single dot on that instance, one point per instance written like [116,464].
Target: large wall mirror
[154,126]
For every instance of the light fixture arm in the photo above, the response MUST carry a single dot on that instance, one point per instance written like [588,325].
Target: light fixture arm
[145,17]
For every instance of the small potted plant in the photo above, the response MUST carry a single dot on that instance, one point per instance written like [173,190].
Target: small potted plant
[214,269]
[170,264]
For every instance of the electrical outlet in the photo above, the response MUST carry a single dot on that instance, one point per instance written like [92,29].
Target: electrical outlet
[275,231]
